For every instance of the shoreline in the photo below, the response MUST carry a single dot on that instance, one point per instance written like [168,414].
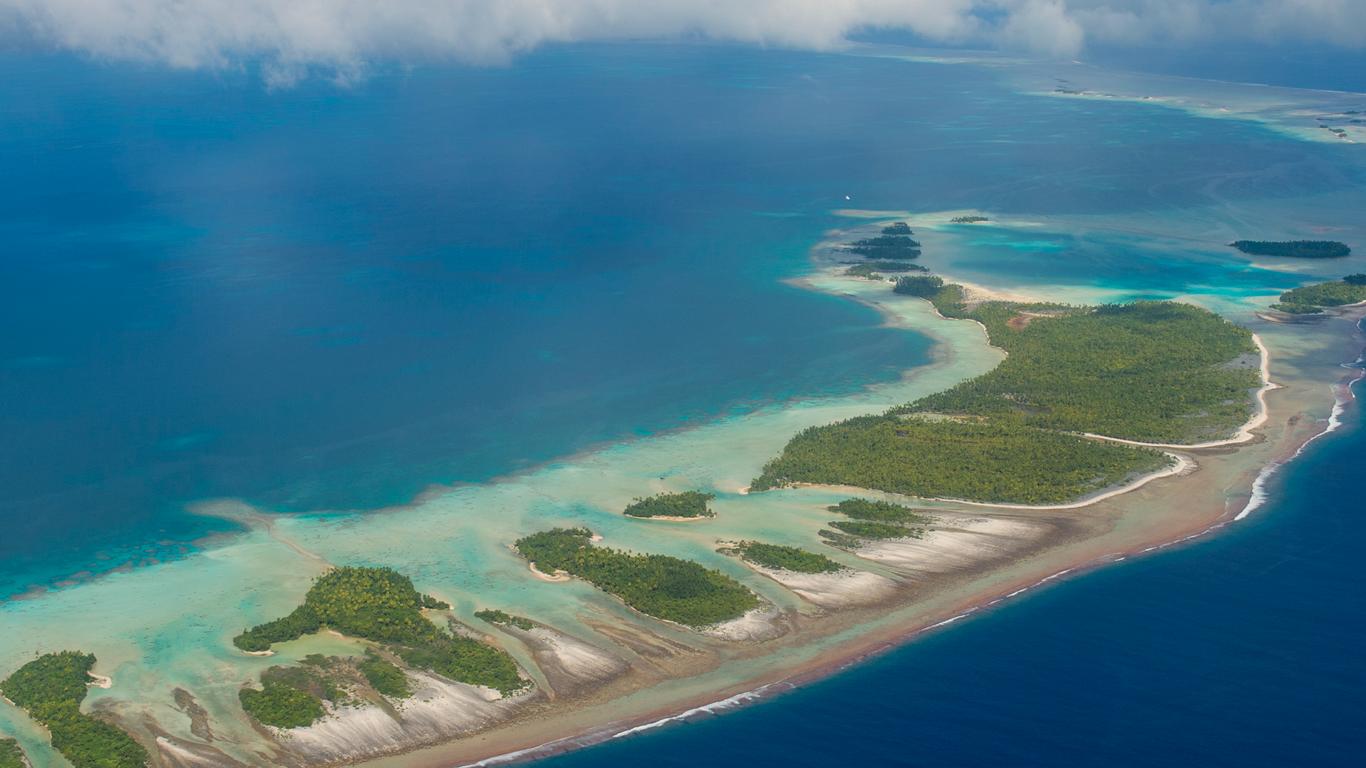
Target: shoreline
[832,664]
[722,675]
[984,591]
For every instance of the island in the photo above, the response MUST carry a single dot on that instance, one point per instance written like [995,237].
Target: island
[376,604]
[1064,416]
[897,228]
[1313,299]
[885,247]
[968,219]
[687,505]
[873,269]
[504,619]
[785,558]
[51,688]
[1294,249]
[661,586]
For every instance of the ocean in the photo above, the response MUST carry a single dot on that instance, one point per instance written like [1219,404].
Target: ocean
[329,298]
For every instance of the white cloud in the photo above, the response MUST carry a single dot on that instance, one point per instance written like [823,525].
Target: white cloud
[290,36]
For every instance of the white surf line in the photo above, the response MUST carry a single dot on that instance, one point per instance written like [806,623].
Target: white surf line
[1181,465]
[1259,495]
[1244,433]
[730,702]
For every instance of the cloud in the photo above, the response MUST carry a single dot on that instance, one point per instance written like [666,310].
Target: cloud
[344,36]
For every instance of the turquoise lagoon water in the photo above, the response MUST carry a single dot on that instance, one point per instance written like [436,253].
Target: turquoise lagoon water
[325,299]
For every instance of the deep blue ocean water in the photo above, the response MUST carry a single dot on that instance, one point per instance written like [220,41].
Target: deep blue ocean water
[327,297]
[1242,649]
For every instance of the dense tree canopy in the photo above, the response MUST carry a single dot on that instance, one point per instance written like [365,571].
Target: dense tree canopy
[685,504]
[1148,371]
[1294,249]
[380,604]
[1311,299]
[11,756]
[656,585]
[51,689]
[786,558]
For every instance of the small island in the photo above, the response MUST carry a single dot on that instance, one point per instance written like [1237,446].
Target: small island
[1313,299]
[885,247]
[968,219]
[51,688]
[897,228]
[661,586]
[873,269]
[504,619]
[873,520]
[784,558]
[1294,249]
[687,505]
[376,604]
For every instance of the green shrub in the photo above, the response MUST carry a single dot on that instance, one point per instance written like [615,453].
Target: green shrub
[685,504]
[384,676]
[1294,249]
[657,585]
[786,558]
[494,616]
[380,604]
[51,689]
[280,705]
[11,756]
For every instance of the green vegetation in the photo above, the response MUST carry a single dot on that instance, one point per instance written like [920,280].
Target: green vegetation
[874,520]
[51,689]
[281,705]
[657,585]
[923,286]
[880,512]
[380,604]
[1311,299]
[494,616]
[992,461]
[873,269]
[384,676]
[866,529]
[888,247]
[466,660]
[685,504]
[1298,309]
[1294,249]
[11,756]
[968,219]
[786,558]
[1148,371]
[898,228]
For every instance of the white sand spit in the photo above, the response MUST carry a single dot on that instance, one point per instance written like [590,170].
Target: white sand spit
[841,589]
[579,660]
[758,624]
[958,544]
[438,710]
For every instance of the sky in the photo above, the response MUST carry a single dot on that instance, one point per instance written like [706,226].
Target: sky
[289,39]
